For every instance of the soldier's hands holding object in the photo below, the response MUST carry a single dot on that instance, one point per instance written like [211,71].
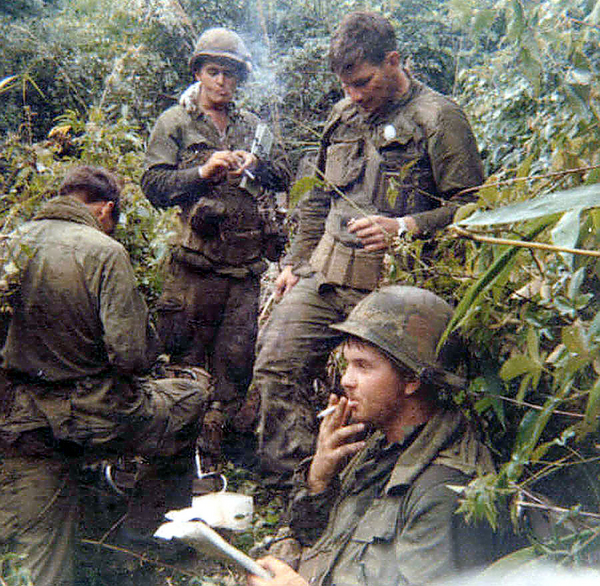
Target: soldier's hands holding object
[376,232]
[285,282]
[222,162]
[283,575]
[245,161]
[337,441]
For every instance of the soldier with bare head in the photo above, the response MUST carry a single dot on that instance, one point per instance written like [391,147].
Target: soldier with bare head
[390,134]
[75,384]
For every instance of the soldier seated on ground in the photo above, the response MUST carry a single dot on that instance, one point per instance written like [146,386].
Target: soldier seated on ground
[78,340]
[373,505]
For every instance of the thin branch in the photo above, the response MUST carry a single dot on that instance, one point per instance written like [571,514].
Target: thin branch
[523,243]
[556,509]
[139,556]
[266,309]
[359,209]
[529,178]
[538,407]
[582,22]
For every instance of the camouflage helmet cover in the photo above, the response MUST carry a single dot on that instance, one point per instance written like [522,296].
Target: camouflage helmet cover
[222,43]
[406,323]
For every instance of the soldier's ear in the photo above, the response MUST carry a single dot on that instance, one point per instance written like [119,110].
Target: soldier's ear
[106,209]
[392,59]
[103,212]
[411,387]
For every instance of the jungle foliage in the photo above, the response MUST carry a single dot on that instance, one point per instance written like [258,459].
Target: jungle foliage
[83,80]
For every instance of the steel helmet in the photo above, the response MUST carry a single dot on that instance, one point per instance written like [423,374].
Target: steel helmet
[406,323]
[223,43]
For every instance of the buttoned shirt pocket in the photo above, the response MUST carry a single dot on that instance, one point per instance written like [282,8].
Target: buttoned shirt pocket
[345,163]
[370,556]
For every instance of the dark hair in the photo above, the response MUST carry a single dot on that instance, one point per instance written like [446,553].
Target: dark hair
[241,70]
[96,184]
[403,371]
[361,36]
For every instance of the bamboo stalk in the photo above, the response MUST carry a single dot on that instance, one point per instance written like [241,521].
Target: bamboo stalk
[524,244]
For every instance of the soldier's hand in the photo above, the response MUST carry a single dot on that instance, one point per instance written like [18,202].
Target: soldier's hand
[285,282]
[335,444]
[377,232]
[245,161]
[219,164]
[283,575]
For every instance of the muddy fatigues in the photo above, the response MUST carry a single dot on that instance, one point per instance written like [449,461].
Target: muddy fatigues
[412,158]
[389,520]
[209,306]
[78,337]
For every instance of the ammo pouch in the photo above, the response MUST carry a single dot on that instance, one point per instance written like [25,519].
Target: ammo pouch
[343,265]
[206,216]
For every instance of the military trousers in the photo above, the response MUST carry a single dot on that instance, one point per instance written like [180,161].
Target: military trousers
[292,350]
[209,319]
[39,492]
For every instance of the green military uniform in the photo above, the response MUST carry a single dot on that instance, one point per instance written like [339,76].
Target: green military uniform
[78,338]
[420,148]
[209,306]
[390,518]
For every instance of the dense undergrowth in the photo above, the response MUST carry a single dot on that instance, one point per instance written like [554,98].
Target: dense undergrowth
[524,279]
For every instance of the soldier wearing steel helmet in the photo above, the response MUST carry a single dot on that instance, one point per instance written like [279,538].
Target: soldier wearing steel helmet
[199,158]
[387,516]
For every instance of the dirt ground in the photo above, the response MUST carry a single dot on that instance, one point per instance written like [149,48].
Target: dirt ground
[105,559]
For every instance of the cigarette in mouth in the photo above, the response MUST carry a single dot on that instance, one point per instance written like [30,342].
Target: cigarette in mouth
[326,412]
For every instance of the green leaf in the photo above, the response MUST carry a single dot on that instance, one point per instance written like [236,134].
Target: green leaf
[576,282]
[495,271]
[516,366]
[525,434]
[580,198]
[592,409]
[593,17]
[483,20]
[573,337]
[515,562]
[392,194]
[532,426]
[594,327]
[5,83]
[302,186]
[532,68]
[541,451]
[516,21]
[566,233]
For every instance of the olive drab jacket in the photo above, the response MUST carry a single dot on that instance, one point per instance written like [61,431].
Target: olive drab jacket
[390,518]
[79,330]
[414,158]
[221,224]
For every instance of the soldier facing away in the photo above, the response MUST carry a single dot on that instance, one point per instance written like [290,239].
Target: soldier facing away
[75,380]
[390,132]
[199,158]
[388,516]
